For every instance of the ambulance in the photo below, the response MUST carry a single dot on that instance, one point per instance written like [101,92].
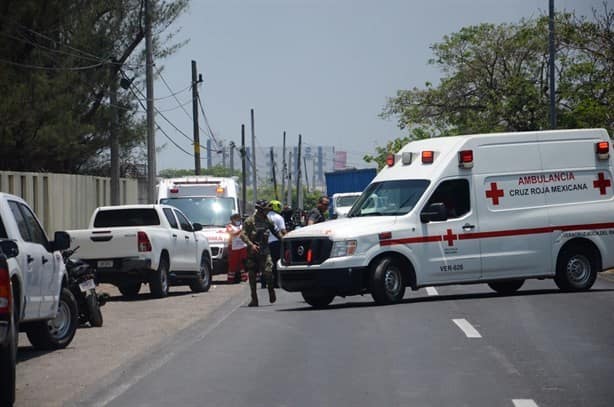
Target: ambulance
[495,208]
[209,201]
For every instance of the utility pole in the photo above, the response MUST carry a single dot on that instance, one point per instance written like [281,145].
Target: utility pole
[274,178]
[209,158]
[254,157]
[299,195]
[306,173]
[151,136]
[243,172]
[195,119]
[232,157]
[552,60]
[283,168]
[115,173]
[289,198]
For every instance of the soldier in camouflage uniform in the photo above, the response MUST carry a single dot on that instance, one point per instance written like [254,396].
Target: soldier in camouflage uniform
[255,234]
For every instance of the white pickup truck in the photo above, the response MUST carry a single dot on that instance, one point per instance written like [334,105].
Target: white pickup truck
[129,245]
[42,305]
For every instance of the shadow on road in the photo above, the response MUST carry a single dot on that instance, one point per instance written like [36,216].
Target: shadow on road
[448,297]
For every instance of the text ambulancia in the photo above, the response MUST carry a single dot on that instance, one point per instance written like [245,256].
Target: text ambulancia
[487,208]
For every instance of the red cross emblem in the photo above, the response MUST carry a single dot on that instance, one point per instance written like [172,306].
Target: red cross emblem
[450,237]
[494,193]
[602,183]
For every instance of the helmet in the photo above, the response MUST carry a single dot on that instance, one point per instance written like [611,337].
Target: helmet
[275,205]
[261,204]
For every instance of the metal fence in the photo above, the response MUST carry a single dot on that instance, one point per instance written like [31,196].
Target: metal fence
[65,201]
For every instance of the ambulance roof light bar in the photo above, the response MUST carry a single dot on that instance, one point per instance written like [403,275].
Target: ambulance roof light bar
[174,190]
[428,156]
[465,159]
[602,148]
[390,160]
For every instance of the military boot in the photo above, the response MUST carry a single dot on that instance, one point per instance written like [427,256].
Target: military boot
[272,297]
[252,288]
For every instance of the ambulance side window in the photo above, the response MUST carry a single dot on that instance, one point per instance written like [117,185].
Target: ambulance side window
[454,194]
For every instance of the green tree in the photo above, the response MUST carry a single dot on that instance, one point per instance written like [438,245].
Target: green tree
[59,61]
[496,79]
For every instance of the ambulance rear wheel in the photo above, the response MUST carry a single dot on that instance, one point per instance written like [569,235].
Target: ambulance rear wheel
[576,268]
[506,287]
[387,285]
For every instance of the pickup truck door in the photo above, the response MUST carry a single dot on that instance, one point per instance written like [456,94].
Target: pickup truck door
[189,240]
[177,244]
[38,264]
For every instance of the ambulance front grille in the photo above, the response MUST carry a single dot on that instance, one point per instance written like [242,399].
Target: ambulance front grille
[300,251]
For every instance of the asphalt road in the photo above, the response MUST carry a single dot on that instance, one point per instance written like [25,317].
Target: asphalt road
[453,346]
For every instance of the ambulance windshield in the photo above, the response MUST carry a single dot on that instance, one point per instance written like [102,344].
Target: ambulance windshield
[389,198]
[208,211]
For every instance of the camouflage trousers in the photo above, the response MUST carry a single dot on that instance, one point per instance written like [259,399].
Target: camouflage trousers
[259,264]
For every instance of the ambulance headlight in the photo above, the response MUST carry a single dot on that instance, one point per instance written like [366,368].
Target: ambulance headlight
[343,248]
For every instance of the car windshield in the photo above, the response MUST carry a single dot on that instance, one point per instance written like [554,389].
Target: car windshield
[208,211]
[346,200]
[389,198]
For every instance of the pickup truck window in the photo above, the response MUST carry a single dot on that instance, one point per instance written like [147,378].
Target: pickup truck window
[126,217]
[171,218]
[3,234]
[185,223]
[29,228]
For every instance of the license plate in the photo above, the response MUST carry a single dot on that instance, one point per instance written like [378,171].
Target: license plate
[87,285]
[105,264]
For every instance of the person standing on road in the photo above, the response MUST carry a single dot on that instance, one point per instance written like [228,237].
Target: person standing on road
[275,217]
[238,251]
[316,215]
[255,234]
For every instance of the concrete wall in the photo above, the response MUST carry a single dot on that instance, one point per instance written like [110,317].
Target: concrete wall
[65,201]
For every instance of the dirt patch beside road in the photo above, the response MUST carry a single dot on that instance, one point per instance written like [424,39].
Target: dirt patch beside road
[131,327]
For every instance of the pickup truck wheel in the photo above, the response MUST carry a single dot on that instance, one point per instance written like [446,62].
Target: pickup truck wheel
[506,287]
[387,285]
[576,269]
[203,280]
[318,299]
[59,332]
[159,283]
[129,289]
[8,361]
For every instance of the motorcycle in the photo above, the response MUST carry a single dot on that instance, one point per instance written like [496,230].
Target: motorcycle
[81,284]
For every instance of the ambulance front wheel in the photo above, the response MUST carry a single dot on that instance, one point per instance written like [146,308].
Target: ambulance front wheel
[506,287]
[387,284]
[576,268]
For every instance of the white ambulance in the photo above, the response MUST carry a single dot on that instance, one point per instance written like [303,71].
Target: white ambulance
[209,201]
[487,208]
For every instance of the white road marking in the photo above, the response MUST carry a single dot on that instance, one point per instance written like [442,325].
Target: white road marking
[524,403]
[431,291]
[467,328]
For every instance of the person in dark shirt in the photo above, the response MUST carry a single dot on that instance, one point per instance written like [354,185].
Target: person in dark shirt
[316,215]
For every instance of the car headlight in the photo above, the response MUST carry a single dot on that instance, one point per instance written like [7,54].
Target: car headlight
[343,248]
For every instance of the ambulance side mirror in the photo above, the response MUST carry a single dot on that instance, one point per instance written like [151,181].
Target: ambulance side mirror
[434,212]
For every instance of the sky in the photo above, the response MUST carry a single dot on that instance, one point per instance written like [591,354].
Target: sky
[320,68]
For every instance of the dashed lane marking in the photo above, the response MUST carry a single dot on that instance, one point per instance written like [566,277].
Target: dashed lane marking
[467,328]
[431,291]
[524,403]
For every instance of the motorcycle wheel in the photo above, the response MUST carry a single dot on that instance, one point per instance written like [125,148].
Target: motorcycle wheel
[93,309]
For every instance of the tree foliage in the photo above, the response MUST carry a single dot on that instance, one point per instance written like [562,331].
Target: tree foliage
[58,62]
[496,78]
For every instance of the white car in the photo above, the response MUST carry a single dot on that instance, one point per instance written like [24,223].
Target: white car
[342,203]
